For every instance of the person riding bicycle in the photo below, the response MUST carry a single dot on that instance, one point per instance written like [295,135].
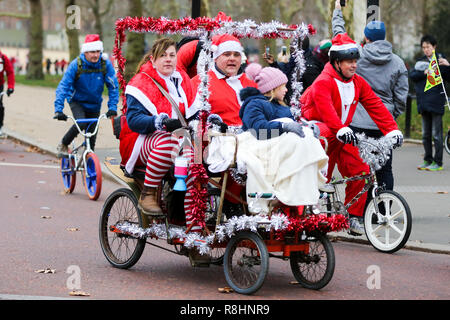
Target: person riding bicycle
[82,85]
[5,67]
[332,101]
[146,140]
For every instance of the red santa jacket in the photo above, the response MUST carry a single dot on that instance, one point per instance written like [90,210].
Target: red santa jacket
[322,102]
[224,97]
[6,66]
[143,88]
[185,57]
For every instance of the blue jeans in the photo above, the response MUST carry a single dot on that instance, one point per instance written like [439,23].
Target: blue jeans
[432,131]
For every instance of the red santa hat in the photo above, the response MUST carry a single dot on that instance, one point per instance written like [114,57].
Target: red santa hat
[343,42]
[92,43]
[225,42]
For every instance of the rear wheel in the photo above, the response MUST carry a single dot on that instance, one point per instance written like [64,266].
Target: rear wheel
[246,262]
[68,174]
[93,176]
[447,142]
[315,268]
[121,250]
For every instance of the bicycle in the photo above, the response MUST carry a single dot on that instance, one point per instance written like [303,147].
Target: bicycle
[386,211]
[447,142]
[88,163]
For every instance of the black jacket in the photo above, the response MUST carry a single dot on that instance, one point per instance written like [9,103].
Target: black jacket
[434,99]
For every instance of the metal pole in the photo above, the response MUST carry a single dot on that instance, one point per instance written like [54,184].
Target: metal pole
[408,115]
[196,6]
[373,10]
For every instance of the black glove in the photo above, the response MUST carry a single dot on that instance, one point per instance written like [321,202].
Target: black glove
[294,127]
[347,136]
[223,127]
[171,124]
[111,113]
[9,91]
[60,116]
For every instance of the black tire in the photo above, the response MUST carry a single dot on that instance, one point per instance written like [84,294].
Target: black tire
[315,269]
[447,142]
[379,234]
[120,250]
[246,262]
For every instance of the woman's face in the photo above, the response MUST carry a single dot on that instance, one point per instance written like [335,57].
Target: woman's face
[167,62]
[280,92]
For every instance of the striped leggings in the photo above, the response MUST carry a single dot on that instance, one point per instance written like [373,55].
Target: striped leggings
[158,154]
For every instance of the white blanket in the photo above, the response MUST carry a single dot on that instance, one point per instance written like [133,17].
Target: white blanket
[286,166]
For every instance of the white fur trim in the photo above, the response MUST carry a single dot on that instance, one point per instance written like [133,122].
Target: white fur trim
[228,46]
[142,98]
[344,47]
[92,46]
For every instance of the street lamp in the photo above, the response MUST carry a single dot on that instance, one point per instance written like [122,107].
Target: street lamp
[196,5]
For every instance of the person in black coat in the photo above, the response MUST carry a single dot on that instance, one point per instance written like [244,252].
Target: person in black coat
[430,104]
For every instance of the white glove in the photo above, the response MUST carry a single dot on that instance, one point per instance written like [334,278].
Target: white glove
[397,138]
[347,136]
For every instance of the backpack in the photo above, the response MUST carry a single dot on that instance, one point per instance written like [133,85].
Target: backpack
[80,69]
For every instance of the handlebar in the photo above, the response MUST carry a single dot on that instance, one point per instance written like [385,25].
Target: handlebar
[374,152]
[87,120]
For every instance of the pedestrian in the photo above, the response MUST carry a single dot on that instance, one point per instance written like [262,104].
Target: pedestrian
[386,73]
[63,64]
[313,68]
[56,65]
[5,68]
[430,104]
[82,86]
[321,51]
[331,101]
[48,64]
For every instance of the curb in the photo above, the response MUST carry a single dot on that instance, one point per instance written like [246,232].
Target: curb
[341,236]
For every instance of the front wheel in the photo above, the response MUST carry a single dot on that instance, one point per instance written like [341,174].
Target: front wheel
[389,230]
[246,262]
[121,250]
[447,142]
[314,268]
[93,176]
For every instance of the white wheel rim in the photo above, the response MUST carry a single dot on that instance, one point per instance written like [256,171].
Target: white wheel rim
[387,236]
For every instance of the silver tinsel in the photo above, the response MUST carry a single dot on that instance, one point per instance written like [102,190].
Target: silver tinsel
[374,152]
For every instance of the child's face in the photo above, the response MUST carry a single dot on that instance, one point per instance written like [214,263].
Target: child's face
[280,92]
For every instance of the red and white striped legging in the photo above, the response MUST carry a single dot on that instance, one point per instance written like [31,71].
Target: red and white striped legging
[158,154]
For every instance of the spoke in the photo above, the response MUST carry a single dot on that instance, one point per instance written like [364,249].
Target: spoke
[386,236]
[400,232]
[374,231]
[398,213]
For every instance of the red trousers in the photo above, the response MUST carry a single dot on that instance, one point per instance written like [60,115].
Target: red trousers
[349,164]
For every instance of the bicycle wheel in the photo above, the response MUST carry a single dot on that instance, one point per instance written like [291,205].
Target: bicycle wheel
[246,262]
[122,251]
[391,233]
[315,268]
[447,142]
[68,173]
[93,176]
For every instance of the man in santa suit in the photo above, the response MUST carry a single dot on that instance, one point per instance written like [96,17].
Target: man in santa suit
[332,101]
[226,79]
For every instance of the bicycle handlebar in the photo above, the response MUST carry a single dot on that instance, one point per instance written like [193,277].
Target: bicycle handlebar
[88,120]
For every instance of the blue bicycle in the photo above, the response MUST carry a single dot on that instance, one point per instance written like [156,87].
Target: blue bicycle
[88,163]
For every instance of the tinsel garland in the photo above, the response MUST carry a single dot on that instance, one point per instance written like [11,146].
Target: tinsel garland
[278,222]
[374,152]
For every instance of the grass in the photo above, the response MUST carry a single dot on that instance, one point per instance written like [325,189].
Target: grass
[416,122]
[49,81]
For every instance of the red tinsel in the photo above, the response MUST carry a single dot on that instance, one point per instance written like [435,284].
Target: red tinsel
[199,194]
[320,222]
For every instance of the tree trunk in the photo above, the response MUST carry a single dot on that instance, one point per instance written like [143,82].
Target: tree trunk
[36,40]
[267,15]
[205,10]
[135,42]
[72,34]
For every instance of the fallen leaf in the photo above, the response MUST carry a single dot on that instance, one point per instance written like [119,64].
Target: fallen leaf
[79,293]
[73,229]
[293,282]
[225,290]
[442,192]
[46,270]
[46,217]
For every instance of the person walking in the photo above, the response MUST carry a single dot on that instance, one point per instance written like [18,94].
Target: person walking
[430,104]
[331,101]
[5,68]
[386,73]
[82,86]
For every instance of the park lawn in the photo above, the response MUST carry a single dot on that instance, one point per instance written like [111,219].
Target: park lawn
[416,122]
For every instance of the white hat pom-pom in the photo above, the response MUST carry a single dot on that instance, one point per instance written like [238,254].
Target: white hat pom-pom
[214,48]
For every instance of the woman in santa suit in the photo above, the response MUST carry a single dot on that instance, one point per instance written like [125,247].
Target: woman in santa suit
[332,101]
[147,138]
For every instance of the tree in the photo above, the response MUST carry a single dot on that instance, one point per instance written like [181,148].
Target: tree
[36,41]
[440,24]
[99,14]
[136,42]
[72,34]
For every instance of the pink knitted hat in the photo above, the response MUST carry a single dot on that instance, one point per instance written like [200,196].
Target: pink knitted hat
[267,79]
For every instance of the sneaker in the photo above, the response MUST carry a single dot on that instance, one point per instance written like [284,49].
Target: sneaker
[434,167]
[2,134]
[424,166]
[356,228]
[61,150]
